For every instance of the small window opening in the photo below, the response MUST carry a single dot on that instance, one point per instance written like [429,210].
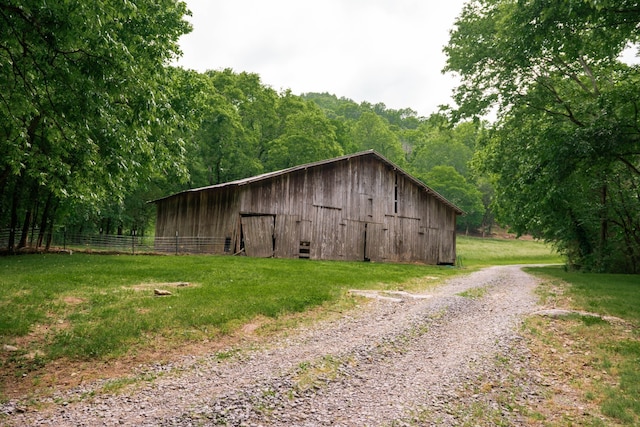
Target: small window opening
[227,244]
[395,196]
[305,250]
[366,258]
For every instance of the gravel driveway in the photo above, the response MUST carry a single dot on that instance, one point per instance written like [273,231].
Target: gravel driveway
[440,359]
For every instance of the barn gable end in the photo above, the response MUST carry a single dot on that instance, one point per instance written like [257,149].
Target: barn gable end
[357,207]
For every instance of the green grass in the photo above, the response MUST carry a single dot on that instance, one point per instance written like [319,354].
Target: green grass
[96,308]
[474,293]
[479,252]
[608,294]
[85,307]
[609,352]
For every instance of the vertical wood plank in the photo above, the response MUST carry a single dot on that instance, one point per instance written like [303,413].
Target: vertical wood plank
[258,235]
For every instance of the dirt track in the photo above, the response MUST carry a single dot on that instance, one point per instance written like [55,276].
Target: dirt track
[432,360]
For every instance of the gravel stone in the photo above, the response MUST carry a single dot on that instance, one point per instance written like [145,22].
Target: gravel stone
[418,361]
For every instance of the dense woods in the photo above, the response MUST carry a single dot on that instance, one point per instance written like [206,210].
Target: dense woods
[95,122]
[85,116]
[565,154]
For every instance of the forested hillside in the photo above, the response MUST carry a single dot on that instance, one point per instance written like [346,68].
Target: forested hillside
[95,123]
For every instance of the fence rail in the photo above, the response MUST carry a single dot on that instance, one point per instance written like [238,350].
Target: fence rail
[125,243]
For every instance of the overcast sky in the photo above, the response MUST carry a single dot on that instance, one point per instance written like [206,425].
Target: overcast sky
[386,51]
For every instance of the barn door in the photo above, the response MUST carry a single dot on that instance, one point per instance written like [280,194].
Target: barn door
[374,242]
[447,252]
[257,234]
[327,241]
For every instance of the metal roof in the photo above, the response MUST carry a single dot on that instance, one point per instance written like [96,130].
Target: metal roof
[268,175]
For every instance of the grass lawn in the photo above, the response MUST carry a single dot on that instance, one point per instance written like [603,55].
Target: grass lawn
[99,307]
[479,252]
[600,359]
[84,308]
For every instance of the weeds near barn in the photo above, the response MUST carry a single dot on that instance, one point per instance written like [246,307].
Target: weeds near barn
[474,293]
[316,373]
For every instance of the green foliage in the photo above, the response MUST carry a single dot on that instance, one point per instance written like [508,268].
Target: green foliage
[346,109]
[239,122]
[564,155]
[453,186]
[440,144]
[307,136]
[84,108]
[372,132]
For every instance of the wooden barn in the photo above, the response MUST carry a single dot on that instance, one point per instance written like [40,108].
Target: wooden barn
[355,207]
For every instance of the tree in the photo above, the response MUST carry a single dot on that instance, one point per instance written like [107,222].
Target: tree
[241,123]
[371,131]
[307,136]
[438,143]
[444,144]
[221,152]
[84,107]
[565,154]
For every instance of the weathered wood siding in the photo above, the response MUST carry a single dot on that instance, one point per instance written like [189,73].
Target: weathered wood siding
[355,208]
[203,221]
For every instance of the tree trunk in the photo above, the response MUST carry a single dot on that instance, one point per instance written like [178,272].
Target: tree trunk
[50,228]
[4,178]
[17,190]
[44,220]
[604,223]
[15,201]
[28,216]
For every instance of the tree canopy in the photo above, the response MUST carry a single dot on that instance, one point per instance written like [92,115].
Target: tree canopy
[565,153]
[84,109]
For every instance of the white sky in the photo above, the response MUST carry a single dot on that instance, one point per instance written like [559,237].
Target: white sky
[386,51]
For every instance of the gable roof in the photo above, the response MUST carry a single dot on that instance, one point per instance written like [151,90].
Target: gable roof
[269,175]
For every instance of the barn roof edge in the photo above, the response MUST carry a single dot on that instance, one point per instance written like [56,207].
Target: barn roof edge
[268,175]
